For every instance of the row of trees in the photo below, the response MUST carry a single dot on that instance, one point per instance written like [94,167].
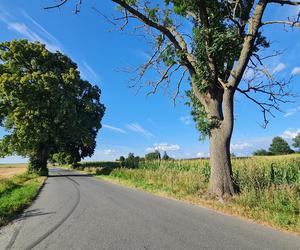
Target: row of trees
[280,147]
[132,161]
[47,110]
[157,156]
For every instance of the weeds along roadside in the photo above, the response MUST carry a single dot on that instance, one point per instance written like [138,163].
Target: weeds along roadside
[270,185]
[17,193]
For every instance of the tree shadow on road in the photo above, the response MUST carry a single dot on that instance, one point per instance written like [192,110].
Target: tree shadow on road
[33,213]
[70,175]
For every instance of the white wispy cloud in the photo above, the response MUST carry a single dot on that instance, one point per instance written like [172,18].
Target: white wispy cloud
[137,128]
[116,129]
[279,68]
[202,154]
[295,71]
[290,134]
[109,152]
[163,147]
[30,29]
[291,111]
[240,146]
[88,72]
[185,120]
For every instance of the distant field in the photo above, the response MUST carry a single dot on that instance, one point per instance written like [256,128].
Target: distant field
[9,170]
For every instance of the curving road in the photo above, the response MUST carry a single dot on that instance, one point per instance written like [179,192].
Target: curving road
[75,211]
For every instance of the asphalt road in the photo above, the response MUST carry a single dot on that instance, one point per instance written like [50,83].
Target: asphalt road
[75,211]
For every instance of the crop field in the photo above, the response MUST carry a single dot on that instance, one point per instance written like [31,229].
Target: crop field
[9,170]
[270,186]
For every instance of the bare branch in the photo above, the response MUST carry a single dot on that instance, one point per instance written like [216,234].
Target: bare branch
[178,86]
[263,107]
[163,77]
[285,22]
[282,2]
[62,2]
[175,38]
[273,92]
[104,16]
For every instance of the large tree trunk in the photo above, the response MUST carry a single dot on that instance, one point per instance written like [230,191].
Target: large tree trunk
[38,162]
[221,178]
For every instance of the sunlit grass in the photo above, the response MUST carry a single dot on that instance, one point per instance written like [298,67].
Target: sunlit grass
[16,193]
[270,186]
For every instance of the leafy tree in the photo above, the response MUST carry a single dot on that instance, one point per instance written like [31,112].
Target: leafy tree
[122,161]
[279,146]
[165,156]
[45,106]
[130,162]
[61,158]
[261,152]
[226,40]
[153,156]
[296,141]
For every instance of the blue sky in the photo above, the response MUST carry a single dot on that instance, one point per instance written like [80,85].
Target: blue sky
[136,122]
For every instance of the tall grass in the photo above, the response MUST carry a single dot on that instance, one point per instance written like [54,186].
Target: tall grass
[270,185]
[16,193]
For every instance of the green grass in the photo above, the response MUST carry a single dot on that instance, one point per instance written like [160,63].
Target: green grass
[17,193]
[270,186]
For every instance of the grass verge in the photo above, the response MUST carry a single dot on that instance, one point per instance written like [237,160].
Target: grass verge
[17,193]
[270,187]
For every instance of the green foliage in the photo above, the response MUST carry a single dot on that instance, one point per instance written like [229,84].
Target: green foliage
[130,162]
[153,156]
[45,106]
[279,146]
[296,141]
[16,193]
[203,123]
[62,158]
[165,156]
[261,152]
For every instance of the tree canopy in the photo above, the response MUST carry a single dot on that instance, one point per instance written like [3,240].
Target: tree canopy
[153,156]
[279,146]
[45,106]
[296,141]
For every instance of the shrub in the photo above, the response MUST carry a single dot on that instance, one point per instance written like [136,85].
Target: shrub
[153,156]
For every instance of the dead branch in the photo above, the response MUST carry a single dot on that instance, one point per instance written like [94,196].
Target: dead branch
[283,2]
[285,22]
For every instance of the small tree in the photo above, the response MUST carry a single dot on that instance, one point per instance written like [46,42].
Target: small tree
[122,161]
[296,141]
[45,106]
[131,161]
[165,156]
[279,146]
[153,156]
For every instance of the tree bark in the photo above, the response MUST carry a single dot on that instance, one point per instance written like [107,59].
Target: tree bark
[38,162]
[221,178]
